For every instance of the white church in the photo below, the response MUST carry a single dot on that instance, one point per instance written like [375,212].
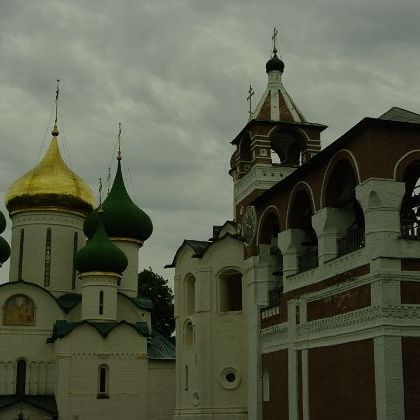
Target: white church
[76,340]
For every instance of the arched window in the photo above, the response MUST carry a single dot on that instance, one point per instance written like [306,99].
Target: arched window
[75,244]
[103,381]
[21,243]
[101,302]
[189,333]
[231,291]
[190,294]
[47,259]
[19,310]
[300,217]
[186,378]
[340,193]
[286,148]
[410,206]
[20,377]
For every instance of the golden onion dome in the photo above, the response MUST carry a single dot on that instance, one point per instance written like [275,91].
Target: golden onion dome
[51,184]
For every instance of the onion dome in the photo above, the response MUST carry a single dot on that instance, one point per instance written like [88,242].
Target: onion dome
[51,184]
[4,250]
[4,246]
[100,254]
[274,63]
[2,222]
[122,218]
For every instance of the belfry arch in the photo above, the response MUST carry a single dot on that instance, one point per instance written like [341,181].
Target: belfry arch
[286,146]
[340,193]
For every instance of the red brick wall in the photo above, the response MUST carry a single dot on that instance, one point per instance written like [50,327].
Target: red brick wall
[410,292]
[411,371]
[340,303]
[278,406]
[342,382]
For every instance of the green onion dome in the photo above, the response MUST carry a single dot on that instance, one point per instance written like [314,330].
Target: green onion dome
[100,254]
[4,250]
[2,222]
[122,218]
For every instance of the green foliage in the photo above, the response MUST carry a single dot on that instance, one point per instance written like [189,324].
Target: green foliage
[156,288]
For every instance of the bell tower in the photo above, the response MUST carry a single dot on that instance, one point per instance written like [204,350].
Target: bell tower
[275,141]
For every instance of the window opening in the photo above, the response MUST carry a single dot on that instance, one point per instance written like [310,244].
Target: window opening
[231,292]
[101,302]
[20,377]
[266,385]
[186,379]
[73,276]
[103,382]
[47,264]
[21,242]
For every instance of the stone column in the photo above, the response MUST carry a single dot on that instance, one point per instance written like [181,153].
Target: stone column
[329,223]
[290,245]
[381,201]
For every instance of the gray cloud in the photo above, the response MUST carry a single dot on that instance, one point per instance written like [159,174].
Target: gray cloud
[176,74]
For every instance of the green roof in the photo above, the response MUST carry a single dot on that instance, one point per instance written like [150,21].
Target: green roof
[122,217]
[69,300]
[4,250]
[160,348]
[100,254]
[44,403]
[62,328]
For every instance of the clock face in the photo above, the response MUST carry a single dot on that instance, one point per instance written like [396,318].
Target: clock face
[249,224]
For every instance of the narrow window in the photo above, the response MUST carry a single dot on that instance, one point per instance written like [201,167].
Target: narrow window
[101,302]
[73,276]
[190,294]
[186,379]
[47,264]
[103,381]
[22,238]
[20,377]
[266,385]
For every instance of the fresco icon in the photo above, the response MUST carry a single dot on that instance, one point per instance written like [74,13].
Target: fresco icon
[19,310]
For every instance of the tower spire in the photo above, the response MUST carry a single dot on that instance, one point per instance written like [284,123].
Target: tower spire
[55,131]
[119,142]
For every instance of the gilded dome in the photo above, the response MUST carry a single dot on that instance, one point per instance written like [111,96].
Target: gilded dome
[51,184]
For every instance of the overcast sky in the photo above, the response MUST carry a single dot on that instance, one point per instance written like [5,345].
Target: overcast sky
[176,74]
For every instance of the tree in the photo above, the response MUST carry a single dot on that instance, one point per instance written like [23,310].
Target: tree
[156,288]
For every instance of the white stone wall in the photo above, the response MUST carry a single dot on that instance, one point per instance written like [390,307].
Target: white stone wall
[79,356]
[161,387]
[35,224]
[219,346]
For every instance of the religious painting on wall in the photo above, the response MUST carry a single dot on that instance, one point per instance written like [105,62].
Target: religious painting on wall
[19,310]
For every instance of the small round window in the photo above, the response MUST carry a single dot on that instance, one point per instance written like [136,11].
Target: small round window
[229,378]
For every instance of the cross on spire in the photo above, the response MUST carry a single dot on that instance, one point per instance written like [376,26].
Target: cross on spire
[274,39]
[100,191]
[249,99]
[57,91]
[119,141]
[108,179]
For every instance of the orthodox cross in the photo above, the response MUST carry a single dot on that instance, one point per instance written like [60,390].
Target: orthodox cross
[108,179]
[100,191]
[57,91]
[249,98]
[119,141]
[274,39]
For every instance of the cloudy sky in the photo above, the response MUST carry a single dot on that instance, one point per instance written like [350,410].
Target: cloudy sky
[176,74]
